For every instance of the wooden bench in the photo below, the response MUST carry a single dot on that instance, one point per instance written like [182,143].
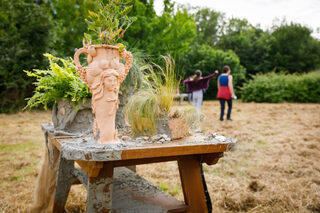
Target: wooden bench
[181,97]
[113,189]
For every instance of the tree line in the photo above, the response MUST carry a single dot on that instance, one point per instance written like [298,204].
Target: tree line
[197,38]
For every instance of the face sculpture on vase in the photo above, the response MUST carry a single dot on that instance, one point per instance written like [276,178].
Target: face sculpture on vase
[103,76]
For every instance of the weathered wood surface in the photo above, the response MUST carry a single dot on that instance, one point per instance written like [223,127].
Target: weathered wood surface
[104,194]
[92,168]
[87,149]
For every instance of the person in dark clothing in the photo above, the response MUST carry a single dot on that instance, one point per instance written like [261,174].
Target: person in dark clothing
[225,91]
[196,84]
[189,94]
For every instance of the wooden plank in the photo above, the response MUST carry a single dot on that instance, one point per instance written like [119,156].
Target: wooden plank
[155,150]
[56,144]
[173,150]
[193,191]
[130,162]
[92,168]
[148,150]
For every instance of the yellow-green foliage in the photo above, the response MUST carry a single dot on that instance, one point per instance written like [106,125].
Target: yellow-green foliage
[165,82]
[59,81]
[154,99]
[109,23]
[141,111]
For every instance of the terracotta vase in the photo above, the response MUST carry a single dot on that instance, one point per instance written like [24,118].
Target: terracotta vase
[103,76]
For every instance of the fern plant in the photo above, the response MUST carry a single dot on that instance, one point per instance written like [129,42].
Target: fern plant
[59,81]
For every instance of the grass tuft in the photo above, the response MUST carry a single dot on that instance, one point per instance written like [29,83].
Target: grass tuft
[154,99]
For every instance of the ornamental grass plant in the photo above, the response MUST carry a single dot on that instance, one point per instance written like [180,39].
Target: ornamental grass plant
[164,82]
[155,100]
[142,110]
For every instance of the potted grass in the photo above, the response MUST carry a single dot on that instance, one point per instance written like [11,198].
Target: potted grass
[151,110]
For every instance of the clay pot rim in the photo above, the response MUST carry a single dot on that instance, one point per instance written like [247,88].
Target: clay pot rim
[105,46]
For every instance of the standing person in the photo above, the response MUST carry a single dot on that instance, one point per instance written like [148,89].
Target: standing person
[196,84]
[225,91]
[189,94]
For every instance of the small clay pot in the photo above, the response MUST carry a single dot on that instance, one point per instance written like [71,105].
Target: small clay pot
[175,128]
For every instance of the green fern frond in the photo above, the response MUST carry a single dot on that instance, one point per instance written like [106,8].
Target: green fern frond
[59,81]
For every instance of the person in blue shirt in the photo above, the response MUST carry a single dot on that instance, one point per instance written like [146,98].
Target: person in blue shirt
[225,92]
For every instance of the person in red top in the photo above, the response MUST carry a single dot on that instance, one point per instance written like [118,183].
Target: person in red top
[225,91]
[196,84]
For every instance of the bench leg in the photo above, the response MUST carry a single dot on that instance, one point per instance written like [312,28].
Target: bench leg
[99,193]
[65,179]
[192,186]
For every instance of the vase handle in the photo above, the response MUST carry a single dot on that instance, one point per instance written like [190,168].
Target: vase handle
[128,57]
[79,68]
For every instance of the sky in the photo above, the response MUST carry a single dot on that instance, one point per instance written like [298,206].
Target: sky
[263,12]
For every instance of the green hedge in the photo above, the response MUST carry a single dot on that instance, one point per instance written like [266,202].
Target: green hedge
[279,87]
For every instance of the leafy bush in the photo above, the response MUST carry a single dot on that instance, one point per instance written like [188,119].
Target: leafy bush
[60,81]
[278,87]
[293,49]
[24,37]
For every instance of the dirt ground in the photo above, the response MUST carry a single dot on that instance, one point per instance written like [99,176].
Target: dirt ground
[274,168]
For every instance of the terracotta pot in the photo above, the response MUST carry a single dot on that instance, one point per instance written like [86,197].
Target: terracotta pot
[175,128]
[104,76]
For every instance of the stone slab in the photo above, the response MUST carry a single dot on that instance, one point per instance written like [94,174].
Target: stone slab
[132,193]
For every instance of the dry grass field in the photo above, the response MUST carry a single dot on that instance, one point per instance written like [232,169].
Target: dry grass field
[274,168]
